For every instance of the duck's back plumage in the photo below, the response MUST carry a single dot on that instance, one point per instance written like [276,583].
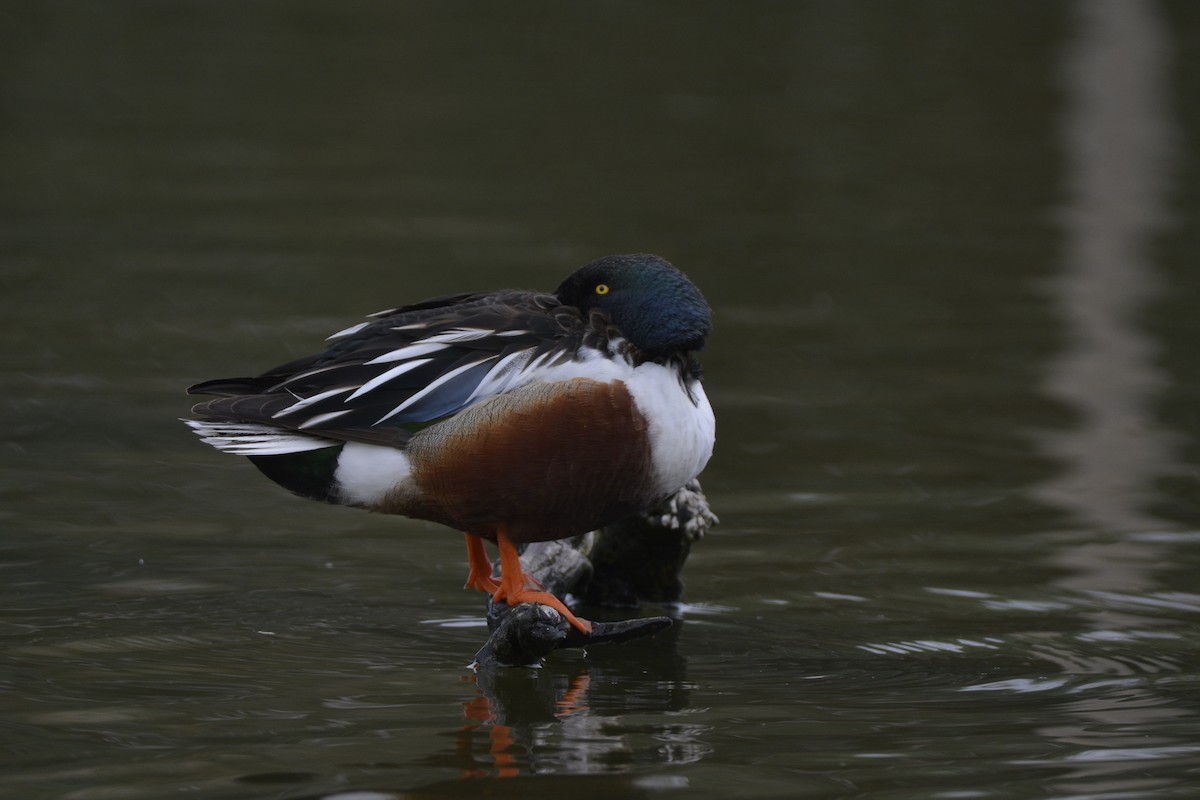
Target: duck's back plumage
[379,381]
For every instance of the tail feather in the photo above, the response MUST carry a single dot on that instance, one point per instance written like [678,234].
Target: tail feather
[254,438]
[228,387]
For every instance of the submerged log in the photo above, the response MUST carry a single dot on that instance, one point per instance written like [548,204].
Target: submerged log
[619,566]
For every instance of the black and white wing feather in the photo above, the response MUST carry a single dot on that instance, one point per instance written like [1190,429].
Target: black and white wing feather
[383,379]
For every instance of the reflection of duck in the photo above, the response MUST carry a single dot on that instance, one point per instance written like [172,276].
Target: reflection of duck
[568,718]
[480,714]
[514,416]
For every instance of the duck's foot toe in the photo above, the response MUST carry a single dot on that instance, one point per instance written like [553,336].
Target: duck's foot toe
[526,595]
[482,583]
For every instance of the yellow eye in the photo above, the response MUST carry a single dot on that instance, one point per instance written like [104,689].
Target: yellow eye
[601,288]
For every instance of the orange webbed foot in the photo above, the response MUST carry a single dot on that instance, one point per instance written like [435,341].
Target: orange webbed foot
[525,595]
[482,583]
[515,586]
[479,577]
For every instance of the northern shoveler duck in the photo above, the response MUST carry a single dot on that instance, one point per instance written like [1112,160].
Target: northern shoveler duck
[513,416]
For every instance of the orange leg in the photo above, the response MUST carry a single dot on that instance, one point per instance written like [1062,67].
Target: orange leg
[513,588]
[480,575]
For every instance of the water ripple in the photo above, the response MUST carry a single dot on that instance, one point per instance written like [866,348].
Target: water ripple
[1017,686]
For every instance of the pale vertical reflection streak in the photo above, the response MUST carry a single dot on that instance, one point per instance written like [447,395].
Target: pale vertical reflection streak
[1117,145]
[1117,142]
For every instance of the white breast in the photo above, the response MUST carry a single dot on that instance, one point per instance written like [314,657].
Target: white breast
[682,427]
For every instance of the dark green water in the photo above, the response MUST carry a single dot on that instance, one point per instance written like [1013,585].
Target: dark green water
[952,251]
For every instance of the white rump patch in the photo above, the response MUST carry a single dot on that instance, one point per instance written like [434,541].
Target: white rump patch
[367,473]
[255,438]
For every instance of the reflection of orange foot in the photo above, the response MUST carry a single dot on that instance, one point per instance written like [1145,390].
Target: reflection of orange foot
[478,709]
[480,575]
[502,745]
[574,699]
[513,588]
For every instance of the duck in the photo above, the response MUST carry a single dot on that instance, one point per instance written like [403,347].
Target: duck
[511,416]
